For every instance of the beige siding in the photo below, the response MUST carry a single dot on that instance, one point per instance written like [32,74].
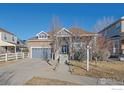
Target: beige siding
[43,44]
[122,26]
[38,43]
[122,46]
[8,37]
[0,35]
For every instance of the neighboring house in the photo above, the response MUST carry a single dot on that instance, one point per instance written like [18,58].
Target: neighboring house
[115,33]
[53,44]
[21,46]
[9,43]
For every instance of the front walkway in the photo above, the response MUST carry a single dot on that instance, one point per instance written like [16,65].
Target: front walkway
[23,70]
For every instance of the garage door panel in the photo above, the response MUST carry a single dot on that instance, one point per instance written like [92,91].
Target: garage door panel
[41,53]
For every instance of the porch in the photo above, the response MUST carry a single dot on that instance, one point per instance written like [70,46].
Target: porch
[6,47]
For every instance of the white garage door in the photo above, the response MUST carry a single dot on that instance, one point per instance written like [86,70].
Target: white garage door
[44,53]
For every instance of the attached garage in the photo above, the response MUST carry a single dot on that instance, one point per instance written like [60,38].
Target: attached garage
[40,46]
[43,53]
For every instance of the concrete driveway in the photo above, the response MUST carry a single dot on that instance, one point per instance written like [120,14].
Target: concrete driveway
[23,70]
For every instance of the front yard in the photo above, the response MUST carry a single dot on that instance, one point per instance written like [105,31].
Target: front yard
[45,81]
[112,70]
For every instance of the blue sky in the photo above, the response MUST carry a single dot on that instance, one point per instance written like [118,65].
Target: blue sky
[26,20]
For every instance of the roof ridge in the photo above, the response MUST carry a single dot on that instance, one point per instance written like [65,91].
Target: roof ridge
[6,31]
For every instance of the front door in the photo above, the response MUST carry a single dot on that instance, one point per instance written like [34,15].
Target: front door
[65,49]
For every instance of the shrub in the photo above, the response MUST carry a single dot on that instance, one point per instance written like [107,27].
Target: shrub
[77,55]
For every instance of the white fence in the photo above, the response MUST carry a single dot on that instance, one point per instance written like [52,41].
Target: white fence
[13,56]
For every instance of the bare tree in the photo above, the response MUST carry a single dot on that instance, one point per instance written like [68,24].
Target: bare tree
[55,26]
[75,43]
[55,23]
[103,22]
[80,43]
[103,48]
[102,45]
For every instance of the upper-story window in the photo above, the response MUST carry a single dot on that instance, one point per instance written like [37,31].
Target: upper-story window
[5,37]
[18,42]
[13,38]
[42,35]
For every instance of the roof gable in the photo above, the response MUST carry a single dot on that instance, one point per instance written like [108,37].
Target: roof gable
[42,35]
[42,32]
[63,33]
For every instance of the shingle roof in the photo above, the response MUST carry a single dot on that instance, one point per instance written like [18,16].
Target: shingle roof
[3,30]
[77,31]
[33,38]
[117,21]
[72,30]
[49,33]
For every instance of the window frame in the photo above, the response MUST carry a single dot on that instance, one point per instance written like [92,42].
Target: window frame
[13,38]
[5,37]
[42,35]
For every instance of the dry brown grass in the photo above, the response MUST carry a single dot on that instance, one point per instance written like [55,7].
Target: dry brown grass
[113,70]
[6,63]
[45,81]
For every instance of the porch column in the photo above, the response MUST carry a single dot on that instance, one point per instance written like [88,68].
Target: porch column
[15,49]
[21,49]
[70,45]
[52,56]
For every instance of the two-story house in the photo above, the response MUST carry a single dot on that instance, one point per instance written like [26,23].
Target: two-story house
[9,43]
[55,43]
[115,33]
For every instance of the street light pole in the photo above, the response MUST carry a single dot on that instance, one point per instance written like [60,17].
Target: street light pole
[88,57]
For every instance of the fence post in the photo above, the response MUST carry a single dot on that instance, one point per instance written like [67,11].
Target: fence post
[23,56]
[28,55]
[6,57]
[16,54]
